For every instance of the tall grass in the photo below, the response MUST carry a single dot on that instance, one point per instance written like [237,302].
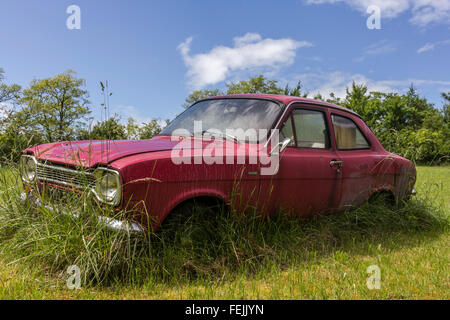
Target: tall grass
[195,246]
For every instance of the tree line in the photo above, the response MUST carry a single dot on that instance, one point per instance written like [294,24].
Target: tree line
[406,124]
[58,109]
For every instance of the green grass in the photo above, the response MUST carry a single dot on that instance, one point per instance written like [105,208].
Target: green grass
[233,257]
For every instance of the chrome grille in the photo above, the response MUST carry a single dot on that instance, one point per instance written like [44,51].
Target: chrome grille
[65,176]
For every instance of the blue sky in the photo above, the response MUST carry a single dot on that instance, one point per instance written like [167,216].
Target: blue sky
[154,53]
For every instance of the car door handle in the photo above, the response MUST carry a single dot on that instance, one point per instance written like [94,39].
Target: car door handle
[336,163]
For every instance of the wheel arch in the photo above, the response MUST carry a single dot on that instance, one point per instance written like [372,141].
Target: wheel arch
[203,196]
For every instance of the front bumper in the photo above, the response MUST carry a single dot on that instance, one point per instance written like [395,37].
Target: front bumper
[111,224]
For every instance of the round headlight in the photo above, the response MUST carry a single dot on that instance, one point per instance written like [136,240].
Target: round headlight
[108,187]
[28,168]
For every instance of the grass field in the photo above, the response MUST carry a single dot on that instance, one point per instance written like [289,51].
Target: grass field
[321,258]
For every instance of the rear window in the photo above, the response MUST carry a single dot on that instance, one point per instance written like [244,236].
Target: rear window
[347,134]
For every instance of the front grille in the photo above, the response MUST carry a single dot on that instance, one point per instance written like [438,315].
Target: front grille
[65,176]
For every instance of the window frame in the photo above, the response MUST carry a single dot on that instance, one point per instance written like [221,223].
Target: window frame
[325,119]
[369,144]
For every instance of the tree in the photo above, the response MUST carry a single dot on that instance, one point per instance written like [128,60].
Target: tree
[198,95]
[56,106]
[132,129]
[12,136]
[110,129]
[8,92]
[446,108]
[256,85]
[150,129]
[295,92]
[357,98]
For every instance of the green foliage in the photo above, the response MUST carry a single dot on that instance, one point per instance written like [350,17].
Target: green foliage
[255,85]
[110,129]
[406,124]
[446,108]
[113,129]
[57,109]
[150,129]
[199,95]
[56,106]
[8,92]
[14,134]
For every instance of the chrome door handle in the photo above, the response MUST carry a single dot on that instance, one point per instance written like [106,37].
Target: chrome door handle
[336,163]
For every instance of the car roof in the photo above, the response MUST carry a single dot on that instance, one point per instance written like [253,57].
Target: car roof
[286,100]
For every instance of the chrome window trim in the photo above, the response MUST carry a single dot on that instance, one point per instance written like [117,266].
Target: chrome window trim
[311,103]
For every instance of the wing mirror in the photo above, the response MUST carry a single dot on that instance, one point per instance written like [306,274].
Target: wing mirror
[280,146]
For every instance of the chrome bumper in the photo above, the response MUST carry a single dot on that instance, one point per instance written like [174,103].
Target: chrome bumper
[111,224]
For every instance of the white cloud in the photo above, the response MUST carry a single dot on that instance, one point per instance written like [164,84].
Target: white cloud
[337,82]
[424,12]
[379,48]
[126,112]
[429,11]
[249,52]
[432,46]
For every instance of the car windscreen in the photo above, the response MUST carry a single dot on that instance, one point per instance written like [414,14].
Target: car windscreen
[225,115]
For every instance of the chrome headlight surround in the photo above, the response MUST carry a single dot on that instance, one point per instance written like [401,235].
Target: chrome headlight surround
[108,187]
[28,168]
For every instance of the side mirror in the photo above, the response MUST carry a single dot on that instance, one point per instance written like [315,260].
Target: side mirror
[280,146]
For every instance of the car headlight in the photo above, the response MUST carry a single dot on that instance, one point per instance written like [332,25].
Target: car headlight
[28,168]
[108,187]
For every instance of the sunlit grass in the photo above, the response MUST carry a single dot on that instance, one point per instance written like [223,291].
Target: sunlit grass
[232,258]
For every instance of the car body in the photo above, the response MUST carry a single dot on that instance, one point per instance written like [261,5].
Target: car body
[328,160]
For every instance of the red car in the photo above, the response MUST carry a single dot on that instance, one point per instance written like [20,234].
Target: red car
[227,149]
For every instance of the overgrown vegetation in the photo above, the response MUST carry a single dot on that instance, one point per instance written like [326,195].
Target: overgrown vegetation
[203,250]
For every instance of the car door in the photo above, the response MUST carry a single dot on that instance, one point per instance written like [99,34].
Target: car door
[305,182]
[355,151]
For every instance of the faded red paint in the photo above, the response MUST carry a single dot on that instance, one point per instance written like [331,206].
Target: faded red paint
[304,184]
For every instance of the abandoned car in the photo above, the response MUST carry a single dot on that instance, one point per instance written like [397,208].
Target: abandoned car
[265,152]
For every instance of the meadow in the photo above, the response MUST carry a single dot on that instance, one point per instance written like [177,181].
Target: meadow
[233,257]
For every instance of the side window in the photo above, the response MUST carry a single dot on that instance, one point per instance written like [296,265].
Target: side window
[311,130]
[287,131]
[348,135]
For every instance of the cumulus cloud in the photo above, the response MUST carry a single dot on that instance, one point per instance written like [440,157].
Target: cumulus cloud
[249,52]
[423,12]
[432,46]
